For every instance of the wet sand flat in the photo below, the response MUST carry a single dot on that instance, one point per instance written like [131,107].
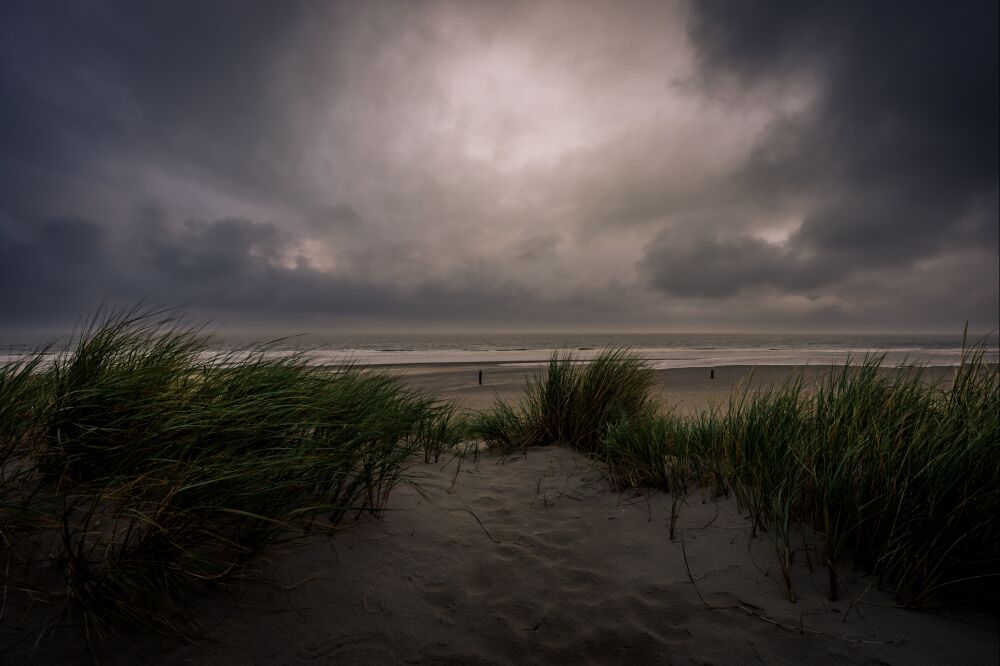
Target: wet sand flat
[686,390]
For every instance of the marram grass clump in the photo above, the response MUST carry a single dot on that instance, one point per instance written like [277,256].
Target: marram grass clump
[22,395]
[899,471]
[572,403]
[152,467]
[649,451]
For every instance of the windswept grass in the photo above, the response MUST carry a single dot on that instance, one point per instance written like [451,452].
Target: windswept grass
[141,468]
[128,373]
[441,430]
[572,403]
[649,451]
[900,472]
[22,394]
[152,467]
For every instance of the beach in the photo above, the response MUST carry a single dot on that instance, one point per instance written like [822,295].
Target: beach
[685,390]
[453,332]
[534,559]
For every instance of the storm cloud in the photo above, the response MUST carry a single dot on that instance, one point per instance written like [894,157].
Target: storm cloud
[894,162]
[669,166]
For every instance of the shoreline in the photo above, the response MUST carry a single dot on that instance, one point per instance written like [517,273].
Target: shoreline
[686,390]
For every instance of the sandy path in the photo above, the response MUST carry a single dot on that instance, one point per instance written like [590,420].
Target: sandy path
[535,561]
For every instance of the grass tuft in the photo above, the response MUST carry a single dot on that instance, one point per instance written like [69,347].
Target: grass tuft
[572,403]
[153,467]
[899,471]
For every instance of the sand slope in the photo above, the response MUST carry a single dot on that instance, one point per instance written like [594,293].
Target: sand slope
[535,561]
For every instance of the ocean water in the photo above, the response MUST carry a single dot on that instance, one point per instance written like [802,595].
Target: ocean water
[661,350]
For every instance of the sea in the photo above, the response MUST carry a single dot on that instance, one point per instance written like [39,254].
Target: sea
[670,350]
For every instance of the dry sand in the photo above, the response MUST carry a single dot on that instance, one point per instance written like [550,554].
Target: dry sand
[534,560]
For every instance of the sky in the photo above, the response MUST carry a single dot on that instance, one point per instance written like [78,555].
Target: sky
[503,166]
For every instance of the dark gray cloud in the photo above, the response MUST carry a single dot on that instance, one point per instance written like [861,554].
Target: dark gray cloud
[51,267]
[717,267]
[228,270]
[525,165]
[895,162]
[181,84]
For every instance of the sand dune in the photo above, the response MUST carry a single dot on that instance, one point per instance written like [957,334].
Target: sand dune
[533,560]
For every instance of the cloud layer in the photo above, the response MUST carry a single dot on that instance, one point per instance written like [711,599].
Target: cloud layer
[776,166]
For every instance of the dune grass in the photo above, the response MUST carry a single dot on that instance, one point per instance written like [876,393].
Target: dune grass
[139,468]
[901,473]
[152,467]
[21,392]
[649,451]
[572,403]
[441,430]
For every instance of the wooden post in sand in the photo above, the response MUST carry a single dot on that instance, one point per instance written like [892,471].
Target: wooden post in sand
[711,376]
[480,377]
